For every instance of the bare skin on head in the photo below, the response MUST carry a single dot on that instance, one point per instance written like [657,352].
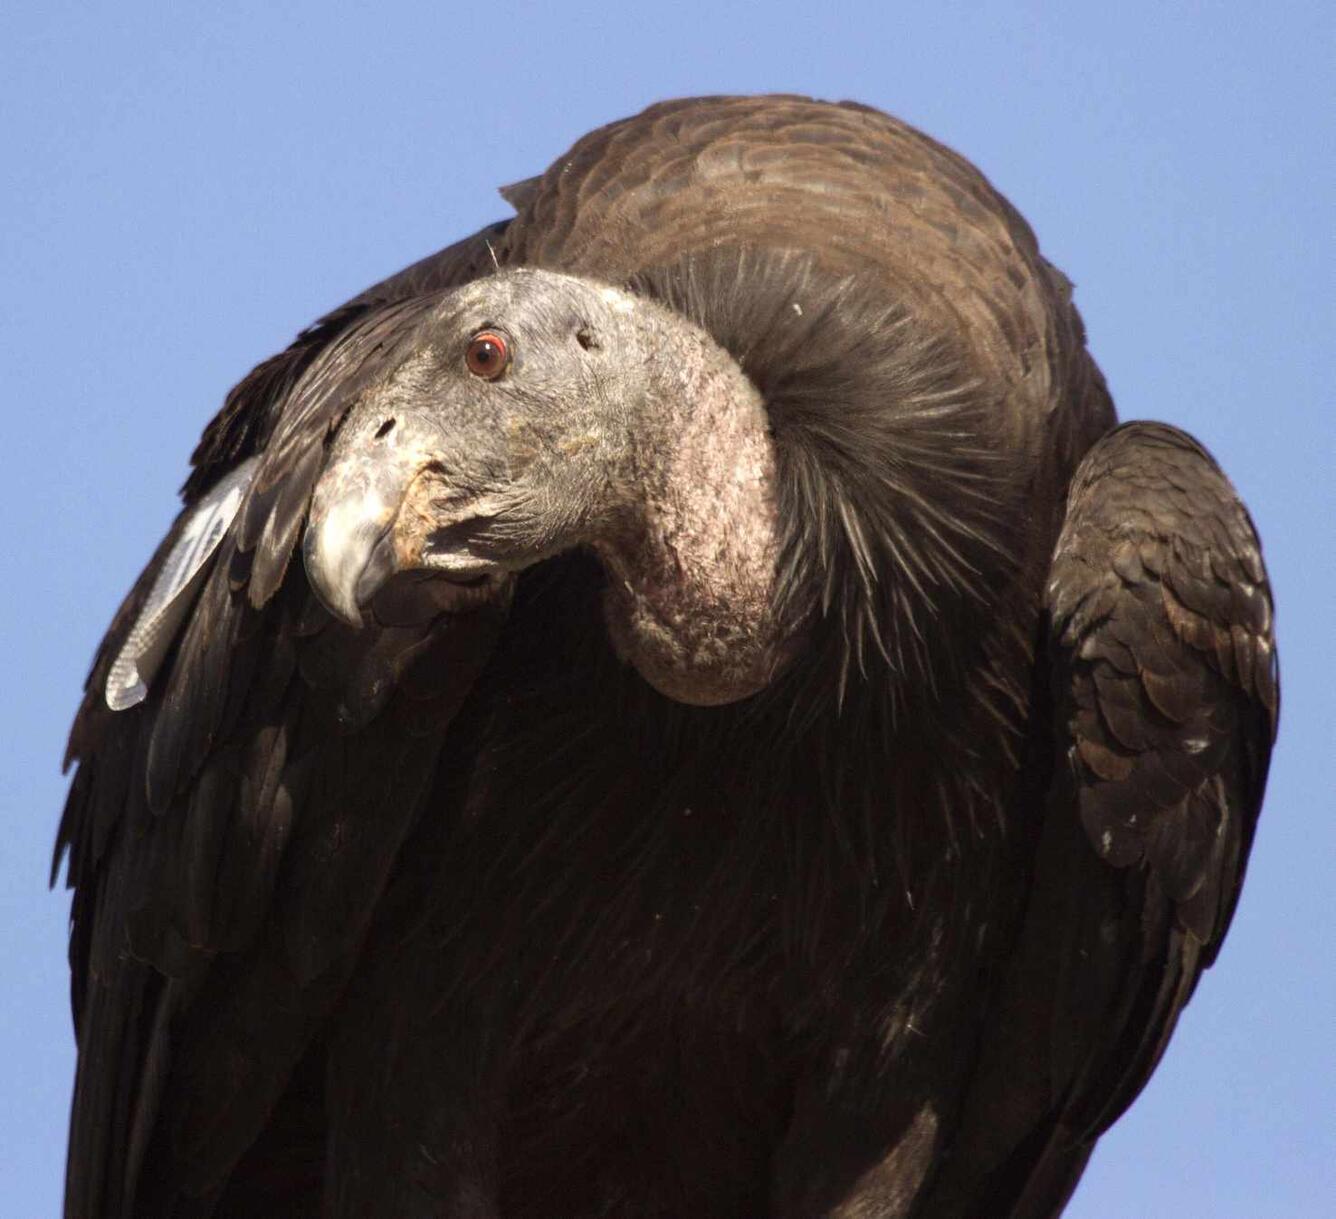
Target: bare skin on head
[610,423]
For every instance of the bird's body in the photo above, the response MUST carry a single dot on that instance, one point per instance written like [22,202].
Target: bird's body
[744,781]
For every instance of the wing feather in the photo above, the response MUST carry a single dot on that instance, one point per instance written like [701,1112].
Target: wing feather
[197,979]
[1161,706]
[1177,676]
[1176,671]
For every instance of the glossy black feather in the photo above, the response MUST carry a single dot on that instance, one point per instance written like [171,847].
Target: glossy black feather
[184,809]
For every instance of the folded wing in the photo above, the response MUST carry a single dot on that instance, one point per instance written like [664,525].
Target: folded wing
[257,738]
[1151,751]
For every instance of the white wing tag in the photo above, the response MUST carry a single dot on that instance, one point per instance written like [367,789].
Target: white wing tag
[174,590]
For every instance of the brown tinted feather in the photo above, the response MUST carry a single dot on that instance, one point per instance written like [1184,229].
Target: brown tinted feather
[681,178]
[1159,764]
[1209,727]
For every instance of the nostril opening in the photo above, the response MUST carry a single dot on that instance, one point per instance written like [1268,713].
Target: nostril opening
[385,429]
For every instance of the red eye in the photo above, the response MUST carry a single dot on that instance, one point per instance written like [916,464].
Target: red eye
[487,355]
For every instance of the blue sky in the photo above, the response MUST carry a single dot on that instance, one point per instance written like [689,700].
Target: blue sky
[184,189]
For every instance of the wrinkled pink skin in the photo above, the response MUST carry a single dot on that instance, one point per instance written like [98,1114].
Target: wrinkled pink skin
[652,449]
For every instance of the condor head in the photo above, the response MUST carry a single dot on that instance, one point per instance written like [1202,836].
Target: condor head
[535,412]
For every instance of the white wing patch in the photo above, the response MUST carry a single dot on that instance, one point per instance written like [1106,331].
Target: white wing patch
[174,590]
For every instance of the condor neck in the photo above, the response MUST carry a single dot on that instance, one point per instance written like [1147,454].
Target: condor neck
[692,597]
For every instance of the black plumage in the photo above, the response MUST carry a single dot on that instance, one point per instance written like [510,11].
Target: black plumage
[455,913]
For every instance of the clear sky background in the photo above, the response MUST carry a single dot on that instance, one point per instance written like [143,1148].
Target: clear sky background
[181,190]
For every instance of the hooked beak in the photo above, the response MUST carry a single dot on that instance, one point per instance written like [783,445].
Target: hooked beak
[383,508]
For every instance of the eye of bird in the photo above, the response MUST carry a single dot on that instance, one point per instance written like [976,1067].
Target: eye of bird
[487,355]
